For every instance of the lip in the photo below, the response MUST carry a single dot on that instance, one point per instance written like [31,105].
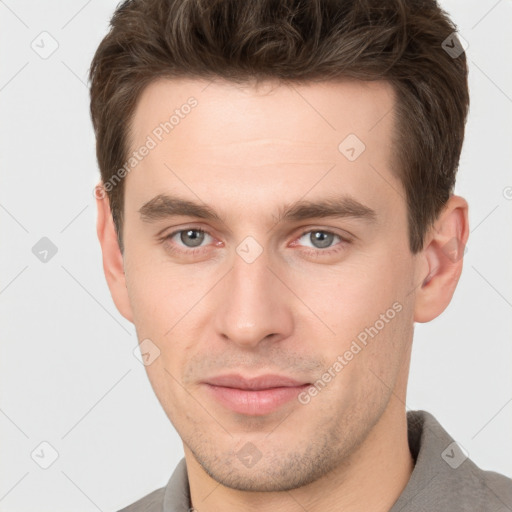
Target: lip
[253,396]
[253,383]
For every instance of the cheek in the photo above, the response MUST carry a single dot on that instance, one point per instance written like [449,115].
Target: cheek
[157,292]
[369,351]
[352,296]
[166,304]
[366,307]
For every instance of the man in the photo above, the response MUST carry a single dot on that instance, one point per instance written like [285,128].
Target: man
[276,211]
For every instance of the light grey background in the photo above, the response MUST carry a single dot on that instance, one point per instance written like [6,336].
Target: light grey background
[68,374]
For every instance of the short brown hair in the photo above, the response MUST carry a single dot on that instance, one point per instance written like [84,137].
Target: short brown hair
[401,41]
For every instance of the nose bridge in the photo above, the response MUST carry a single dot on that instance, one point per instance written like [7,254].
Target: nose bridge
[253,303]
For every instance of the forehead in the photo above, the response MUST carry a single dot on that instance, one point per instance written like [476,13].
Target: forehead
[315,112]
[278,138]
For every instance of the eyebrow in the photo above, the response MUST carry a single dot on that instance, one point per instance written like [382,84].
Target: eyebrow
[164,206]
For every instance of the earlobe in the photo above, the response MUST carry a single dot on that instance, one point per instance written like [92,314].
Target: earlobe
[113,264]
[443,257]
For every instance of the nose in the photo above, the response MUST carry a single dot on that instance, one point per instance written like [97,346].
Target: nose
[254,304]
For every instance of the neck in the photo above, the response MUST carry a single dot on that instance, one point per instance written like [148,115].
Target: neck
[372,478]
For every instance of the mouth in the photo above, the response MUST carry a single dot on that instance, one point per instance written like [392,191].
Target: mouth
[253,396]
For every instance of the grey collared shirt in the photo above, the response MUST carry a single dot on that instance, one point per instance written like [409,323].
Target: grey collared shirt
[443,479]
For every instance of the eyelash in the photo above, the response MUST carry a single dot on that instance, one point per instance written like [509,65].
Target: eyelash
[310,252]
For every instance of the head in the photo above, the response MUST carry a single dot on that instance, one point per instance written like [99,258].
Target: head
[279,200]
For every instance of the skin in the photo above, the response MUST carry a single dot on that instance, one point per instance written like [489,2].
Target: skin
[246,152]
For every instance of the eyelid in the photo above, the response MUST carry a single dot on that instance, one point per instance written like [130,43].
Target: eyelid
[347,237]
[323,230]
[344,236]
[173,233]
[344,241]
[337,247]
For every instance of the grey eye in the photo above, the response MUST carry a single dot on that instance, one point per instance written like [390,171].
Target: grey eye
[320,239]
[191,237]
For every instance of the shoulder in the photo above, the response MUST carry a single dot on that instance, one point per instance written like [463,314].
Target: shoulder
[152,502]
[175,496]
[471,489]
[492,488]
[444,477]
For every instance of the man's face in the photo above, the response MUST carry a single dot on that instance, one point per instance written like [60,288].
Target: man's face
[261,292]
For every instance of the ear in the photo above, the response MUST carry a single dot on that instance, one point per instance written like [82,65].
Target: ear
[442,256]
[113,265]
